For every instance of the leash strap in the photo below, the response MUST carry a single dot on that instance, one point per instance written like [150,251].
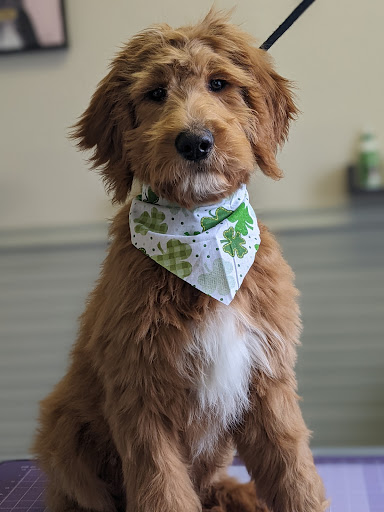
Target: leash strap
[286,24]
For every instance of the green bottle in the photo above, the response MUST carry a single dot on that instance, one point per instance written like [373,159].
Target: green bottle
[369,176]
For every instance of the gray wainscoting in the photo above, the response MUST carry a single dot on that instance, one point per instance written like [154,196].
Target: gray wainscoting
[340,272]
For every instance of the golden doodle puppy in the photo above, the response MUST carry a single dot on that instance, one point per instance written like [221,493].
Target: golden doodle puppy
[186,349]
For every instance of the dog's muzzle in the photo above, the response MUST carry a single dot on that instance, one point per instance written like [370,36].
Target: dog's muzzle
[194,146]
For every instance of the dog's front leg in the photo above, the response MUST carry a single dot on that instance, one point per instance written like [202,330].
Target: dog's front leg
[155,477]
[273,442]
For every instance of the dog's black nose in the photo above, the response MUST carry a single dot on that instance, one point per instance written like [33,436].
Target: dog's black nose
[194,146]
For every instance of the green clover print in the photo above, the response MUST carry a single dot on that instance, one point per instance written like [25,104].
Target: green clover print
[150,197]
[187,233]
[176,209]
[218,278]
[212,221]
[233,243]
[172,260]
[153,222]
[243,219]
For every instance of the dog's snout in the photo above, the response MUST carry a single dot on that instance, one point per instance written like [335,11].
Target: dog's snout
[194,146]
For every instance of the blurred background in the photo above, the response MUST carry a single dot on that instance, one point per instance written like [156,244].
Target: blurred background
[54,214]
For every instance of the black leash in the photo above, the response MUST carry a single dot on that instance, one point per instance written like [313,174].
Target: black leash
[286,24]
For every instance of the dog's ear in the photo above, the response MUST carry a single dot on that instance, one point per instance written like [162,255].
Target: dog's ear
[102,128]
[270,97]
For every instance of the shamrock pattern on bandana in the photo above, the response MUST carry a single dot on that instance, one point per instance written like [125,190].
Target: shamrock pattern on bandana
[211,247]
[212,221]
[242,218]
[219,278]
[234,243]
[151,222]
[173,259]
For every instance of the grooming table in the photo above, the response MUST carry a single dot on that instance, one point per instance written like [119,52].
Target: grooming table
[354,484]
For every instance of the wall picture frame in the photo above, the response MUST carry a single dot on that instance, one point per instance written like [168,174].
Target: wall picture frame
[32,25]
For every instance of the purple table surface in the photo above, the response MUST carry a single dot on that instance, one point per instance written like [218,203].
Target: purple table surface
[354,484]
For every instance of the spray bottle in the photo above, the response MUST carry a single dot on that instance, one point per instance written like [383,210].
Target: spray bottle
[369,177]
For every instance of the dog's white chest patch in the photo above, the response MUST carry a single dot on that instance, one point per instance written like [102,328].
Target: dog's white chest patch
[228,351]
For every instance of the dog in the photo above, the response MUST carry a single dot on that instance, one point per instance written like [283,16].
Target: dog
[165,380]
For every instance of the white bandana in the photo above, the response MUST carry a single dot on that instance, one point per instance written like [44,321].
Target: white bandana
[211,247]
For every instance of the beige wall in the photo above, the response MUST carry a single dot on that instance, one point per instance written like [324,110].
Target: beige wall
[334,53]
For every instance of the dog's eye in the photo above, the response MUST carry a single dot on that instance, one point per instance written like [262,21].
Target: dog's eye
[217,85]
[158,94]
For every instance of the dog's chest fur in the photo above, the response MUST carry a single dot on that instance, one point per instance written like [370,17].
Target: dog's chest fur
[228,352]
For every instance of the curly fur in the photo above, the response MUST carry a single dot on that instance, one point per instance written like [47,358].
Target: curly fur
[164,382]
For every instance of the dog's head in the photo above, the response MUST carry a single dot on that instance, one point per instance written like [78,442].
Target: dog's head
[190,112]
